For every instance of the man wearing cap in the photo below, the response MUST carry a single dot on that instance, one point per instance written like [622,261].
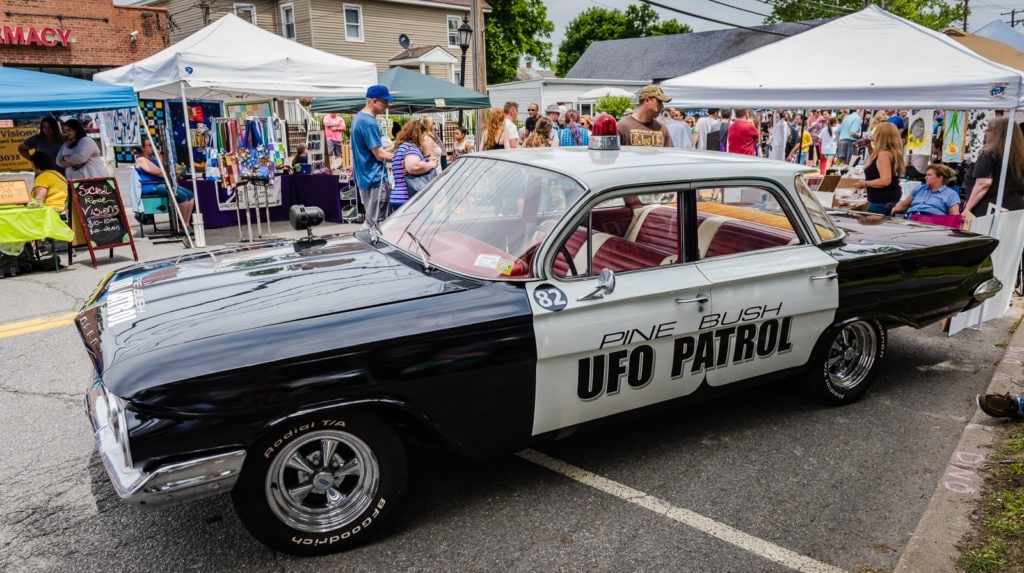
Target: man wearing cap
[552,112]
[642,127]
[369,157]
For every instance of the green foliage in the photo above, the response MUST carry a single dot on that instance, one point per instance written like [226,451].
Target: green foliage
[613,105]
[988,559]
[597,24]
[934,14]
[513,29]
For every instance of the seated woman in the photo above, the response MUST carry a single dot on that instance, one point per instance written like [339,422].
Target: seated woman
[300,159]
[50,187]
[933,197]
[154,185]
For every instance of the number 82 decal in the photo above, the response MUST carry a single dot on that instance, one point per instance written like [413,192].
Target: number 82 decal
[550,297]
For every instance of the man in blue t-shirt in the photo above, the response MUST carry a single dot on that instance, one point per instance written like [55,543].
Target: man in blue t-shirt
[849,134]
[369,158]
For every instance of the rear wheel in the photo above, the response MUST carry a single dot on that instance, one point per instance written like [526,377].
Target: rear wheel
[321,483]
[844,365]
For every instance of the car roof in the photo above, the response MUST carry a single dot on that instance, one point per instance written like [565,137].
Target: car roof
[632,165]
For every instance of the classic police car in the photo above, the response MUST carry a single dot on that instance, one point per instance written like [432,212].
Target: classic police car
[523,294]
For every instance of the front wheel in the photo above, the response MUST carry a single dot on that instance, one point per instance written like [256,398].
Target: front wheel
[844,365]
[321,483]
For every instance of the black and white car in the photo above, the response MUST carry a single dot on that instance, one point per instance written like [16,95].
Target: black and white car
[524,293]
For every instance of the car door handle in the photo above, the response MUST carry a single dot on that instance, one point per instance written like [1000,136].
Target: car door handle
[825,277]
[701,298]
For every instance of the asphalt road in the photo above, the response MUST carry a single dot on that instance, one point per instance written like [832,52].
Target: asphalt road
[759,481]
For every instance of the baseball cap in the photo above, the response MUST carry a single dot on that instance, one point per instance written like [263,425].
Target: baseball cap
[379,92]
[653,91]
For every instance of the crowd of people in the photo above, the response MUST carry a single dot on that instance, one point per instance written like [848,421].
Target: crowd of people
[875,141]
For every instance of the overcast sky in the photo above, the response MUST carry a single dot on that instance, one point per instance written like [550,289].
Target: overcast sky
[561,12]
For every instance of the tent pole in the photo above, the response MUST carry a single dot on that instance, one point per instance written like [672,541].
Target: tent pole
[167,181]
[1010,126]
[197,215]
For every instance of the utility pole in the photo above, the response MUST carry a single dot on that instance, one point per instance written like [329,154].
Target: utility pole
[1013,17]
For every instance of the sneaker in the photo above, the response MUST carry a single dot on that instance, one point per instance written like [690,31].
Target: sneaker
[999,406]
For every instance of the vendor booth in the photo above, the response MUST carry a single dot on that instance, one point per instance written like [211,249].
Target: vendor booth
[211,64]
[961,79]
[36,93]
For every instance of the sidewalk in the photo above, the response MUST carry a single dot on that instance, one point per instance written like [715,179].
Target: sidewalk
[932,547]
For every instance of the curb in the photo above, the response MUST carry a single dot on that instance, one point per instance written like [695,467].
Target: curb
[932,547]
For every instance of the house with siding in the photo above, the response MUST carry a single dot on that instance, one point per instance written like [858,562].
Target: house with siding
[362,30]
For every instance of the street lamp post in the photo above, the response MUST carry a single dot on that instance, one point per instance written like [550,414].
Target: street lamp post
[465,35]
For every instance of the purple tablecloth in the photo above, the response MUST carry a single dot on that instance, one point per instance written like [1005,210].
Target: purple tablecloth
[319,190]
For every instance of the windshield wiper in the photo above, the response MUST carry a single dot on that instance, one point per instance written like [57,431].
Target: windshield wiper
[423,252]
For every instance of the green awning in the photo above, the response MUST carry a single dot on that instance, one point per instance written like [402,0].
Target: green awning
[413,92]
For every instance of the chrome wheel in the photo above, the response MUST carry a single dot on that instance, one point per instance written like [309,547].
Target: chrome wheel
[322,481]
[852,355]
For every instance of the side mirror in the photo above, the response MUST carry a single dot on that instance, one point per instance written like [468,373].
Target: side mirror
[605,285]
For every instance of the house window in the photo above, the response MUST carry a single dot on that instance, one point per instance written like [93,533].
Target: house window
[288,21]
[353,23]
[453,31]
[457,77]
[246,12]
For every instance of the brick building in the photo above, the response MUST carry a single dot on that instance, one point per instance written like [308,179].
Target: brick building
[78,38]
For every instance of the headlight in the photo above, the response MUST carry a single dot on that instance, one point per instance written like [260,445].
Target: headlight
[119,424]
[987,289]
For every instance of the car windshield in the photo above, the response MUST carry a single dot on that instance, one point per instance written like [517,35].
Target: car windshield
[483,217]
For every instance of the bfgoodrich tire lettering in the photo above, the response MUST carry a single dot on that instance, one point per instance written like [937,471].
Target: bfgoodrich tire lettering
[321,483]
[844,365]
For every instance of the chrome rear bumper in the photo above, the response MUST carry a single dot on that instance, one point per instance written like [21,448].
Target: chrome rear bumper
[167,484]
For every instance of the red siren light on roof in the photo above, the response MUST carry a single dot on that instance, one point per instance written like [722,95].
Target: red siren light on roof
[605,134]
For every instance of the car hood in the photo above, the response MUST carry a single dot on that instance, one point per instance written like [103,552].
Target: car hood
[215,311]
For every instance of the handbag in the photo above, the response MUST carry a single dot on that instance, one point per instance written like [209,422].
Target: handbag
[954,221]
[417,183]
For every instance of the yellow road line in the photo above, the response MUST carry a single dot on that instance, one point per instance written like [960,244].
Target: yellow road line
[36,324]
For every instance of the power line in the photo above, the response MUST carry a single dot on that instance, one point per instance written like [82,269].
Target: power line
[754,13]
[722,22]
[833,7]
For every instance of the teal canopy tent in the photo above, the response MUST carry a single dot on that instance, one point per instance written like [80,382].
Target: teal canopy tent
[413,92]
[28,92]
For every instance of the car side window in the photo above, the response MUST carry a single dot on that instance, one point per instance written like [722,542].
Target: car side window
[624,233]
[733,220]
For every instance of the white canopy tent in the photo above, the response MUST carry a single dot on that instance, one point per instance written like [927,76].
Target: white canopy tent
[598,93]
[866,50]
[867,76]
[234,60]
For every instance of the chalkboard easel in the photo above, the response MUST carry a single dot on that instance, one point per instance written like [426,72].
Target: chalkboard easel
[99,207]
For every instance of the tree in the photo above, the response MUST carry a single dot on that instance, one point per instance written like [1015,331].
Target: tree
[614,106]
[934,14]
[597,24]
[513,29]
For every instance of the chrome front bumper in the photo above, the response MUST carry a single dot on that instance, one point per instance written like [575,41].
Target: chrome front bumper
[172,483]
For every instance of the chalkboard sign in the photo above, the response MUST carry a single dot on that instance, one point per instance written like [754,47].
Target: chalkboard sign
[102,215]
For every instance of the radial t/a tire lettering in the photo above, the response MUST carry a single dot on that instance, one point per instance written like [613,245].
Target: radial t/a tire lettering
[321,483]
[843,366]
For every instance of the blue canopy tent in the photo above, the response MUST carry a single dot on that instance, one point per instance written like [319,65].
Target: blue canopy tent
[26,92]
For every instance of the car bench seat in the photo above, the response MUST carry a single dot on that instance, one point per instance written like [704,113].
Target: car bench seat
[609,251]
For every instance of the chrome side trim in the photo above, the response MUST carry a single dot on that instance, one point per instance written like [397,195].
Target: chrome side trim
[168,484]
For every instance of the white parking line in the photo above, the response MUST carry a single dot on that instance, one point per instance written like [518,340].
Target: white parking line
[730,535]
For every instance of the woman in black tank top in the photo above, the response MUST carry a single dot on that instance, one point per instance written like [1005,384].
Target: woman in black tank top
[883,171]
